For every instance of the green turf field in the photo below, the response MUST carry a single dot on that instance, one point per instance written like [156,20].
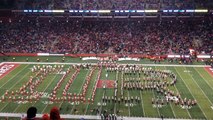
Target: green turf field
[192,83]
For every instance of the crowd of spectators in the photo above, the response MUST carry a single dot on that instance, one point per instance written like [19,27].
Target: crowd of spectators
[111,4]
[124,37]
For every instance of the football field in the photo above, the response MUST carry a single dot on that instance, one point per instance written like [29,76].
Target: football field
[90,90]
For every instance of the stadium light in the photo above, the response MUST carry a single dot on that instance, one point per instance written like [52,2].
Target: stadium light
[176,10]
[165,10]
[71,10]
[181,10]
[201,10]
[104,11]
[151,11]
[93,11]
[47,11]
[35,10]
[190,10]
[40,11]
[117,11]
[59,11]
[140,11]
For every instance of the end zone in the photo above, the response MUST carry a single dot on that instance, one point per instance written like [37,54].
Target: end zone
[6,68]
[209,70]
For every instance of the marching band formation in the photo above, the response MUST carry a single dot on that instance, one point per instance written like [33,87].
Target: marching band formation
[132,78]
[140,78]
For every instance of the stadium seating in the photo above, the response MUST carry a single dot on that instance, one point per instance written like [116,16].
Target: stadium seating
[148,38]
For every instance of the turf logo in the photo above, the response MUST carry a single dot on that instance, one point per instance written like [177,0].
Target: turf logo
[5,69]
[106,84]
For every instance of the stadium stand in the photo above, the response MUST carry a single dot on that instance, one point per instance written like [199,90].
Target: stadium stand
[143,37]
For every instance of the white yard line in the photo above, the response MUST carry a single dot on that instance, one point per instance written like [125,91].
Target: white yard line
[103,91]
[181,97]
[199,86]
[156,107]
[13,76]
[186,109]
[18,107]
[13,86]
[62,101]
[80,89]
[129,105]
[204,79]
[19,80]
[127,96]
[102,100]
[172,110]
[45,90]
[54,63]
[90,95]
[115,105]
[142,104]
[154,97]
[190,92]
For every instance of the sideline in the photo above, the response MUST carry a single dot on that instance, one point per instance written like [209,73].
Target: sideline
[91,117]
[58,63]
